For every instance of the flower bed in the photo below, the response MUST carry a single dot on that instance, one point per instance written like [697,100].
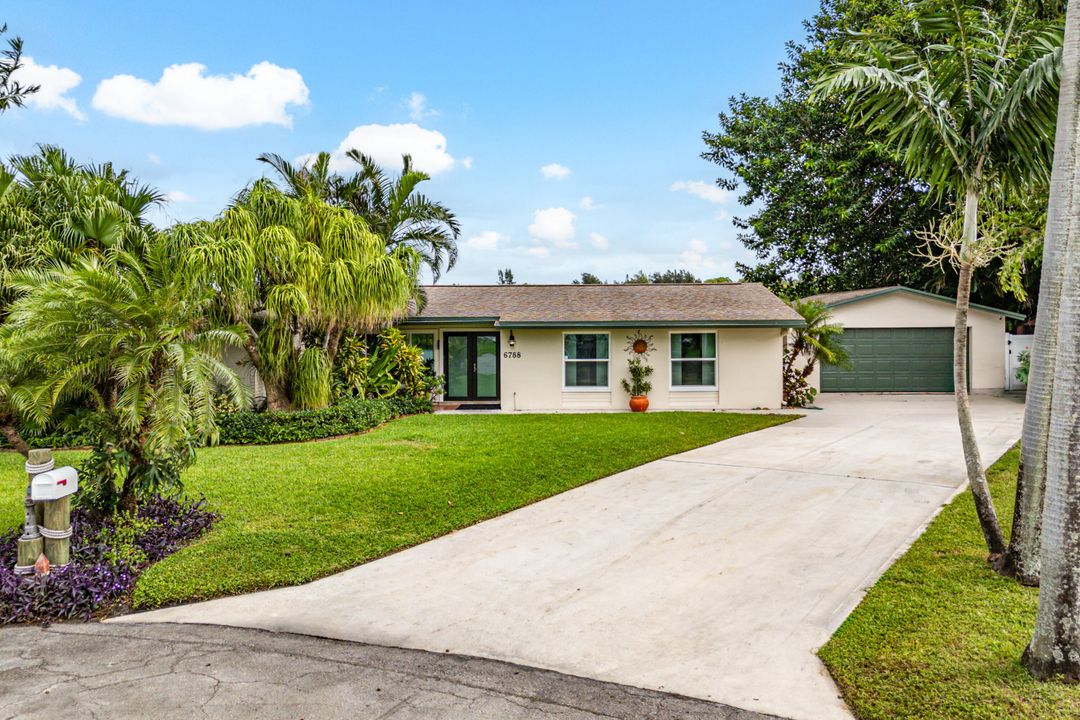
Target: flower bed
[107,556]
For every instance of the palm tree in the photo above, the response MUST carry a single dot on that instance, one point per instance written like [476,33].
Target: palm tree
[54,211]
[391,206]
[818,340]
[296,273]
[12,92]
[134,337]
[1054,396]
[967,104]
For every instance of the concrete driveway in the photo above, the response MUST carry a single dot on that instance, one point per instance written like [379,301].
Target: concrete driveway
[714,574]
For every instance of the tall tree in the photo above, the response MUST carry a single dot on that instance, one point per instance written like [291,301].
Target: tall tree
[391,206]
[968,107]
[832,209]
[54,211]
[12,92]
[1052,415]
[506,277]
[297,274]
[135,339]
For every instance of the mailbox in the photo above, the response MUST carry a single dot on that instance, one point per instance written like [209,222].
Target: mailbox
[54,484]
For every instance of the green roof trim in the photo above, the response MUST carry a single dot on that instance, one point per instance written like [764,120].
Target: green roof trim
[933,296]
[653,323]
[450,321]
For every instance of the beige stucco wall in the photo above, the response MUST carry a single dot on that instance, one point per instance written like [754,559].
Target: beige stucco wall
[748,370]
[905,310]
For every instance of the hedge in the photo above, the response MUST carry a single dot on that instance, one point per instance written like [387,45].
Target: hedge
[345,418]
[254,428]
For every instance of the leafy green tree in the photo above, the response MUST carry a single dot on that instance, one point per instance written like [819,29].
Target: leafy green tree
[296,274]
[12,92]
[806,346]
[587,278]
[506,277]
[134,338]
[673,276]
[967,106]
[833,210]
[391,206]
[54,211]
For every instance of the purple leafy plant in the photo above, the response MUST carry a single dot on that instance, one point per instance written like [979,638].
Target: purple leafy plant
[96,581]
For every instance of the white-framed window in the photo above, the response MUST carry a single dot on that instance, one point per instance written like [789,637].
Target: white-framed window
[693,360]
[586,361]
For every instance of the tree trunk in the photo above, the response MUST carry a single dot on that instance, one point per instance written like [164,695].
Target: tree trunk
[980,490]
[13,437]
[1055,644]
[1022,558]
[277,399]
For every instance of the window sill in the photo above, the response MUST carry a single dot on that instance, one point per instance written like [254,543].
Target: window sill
[693,388]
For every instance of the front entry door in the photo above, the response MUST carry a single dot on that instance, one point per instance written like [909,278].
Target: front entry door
[472,365]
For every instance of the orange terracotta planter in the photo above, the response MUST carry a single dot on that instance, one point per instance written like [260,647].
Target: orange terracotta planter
[639,403]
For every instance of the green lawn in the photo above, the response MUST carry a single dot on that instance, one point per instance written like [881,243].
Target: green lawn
[940,635]
[293,513]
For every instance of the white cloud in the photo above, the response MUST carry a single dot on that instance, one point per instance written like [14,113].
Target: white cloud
[555,171]
[387,143]
[487,240]
[186,95]
[703,190]
[466,162]
[587,203]
[55,84]
[178,196]
[154,159]
[554,225]
[696,256]
[418,107]
[599,241]
[539,251]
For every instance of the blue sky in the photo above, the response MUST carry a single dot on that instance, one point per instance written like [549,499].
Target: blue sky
[565,135]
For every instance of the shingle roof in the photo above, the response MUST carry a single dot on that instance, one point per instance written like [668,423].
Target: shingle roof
[847,296]
[701,303]
[835,297]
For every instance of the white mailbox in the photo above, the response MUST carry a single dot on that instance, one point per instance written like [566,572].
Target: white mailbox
[54,484]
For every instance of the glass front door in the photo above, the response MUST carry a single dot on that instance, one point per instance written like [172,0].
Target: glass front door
[472,366]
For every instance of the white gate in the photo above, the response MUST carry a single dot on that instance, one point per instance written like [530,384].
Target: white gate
[1014,345]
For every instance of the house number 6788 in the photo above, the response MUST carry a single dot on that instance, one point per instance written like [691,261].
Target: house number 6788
[512,354]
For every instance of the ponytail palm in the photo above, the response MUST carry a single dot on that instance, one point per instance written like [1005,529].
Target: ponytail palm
[967,103]
[297,273]
[391,207]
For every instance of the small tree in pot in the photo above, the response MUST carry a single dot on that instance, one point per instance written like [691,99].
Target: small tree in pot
[638,385]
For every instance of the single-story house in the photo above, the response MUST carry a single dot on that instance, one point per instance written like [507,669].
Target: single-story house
[563,347]
[901,340]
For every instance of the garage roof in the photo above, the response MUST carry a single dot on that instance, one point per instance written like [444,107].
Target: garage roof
[710,304]
[850,296]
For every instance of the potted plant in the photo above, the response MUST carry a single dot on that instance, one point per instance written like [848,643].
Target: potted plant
[638,385]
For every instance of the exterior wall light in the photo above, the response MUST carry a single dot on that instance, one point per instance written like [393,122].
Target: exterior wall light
[512,341]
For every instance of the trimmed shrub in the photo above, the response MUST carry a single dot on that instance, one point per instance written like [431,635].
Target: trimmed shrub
[345,418]
[263,428]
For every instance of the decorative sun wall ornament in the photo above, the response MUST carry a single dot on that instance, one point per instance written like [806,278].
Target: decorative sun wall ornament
[640,344]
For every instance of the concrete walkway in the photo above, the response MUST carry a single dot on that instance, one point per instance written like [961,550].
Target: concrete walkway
[714,574]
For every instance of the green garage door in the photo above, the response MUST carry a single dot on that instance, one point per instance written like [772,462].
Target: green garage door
[893,360]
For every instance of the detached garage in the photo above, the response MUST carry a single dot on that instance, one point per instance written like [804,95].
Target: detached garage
[900,340]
